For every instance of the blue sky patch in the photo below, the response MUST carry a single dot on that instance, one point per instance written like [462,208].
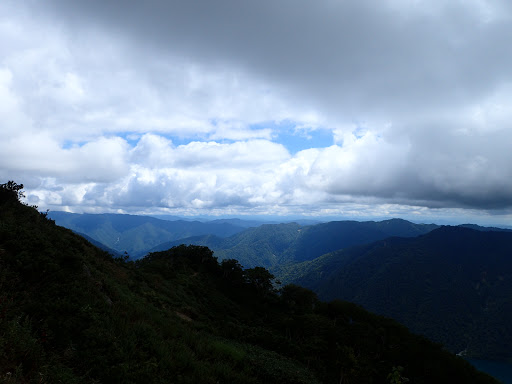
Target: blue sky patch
[297,139]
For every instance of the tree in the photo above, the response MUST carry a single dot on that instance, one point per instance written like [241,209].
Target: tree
[11,190]
[298,299]
[259,278]
[233,271]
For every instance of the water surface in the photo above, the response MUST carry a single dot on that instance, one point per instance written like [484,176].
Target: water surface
[501,371]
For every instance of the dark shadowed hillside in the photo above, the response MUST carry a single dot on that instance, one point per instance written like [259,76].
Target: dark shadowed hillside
[453,284]
[327,237]
[70,313]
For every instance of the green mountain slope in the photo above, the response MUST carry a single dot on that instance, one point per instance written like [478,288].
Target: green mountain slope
[261,246]
[276,244]
[453,285]
[69,313]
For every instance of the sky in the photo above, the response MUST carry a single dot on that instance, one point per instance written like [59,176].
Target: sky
[326,108]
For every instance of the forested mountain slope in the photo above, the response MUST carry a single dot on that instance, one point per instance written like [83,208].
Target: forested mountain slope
[69,313]
[453,285]
[261,246]
[275,244]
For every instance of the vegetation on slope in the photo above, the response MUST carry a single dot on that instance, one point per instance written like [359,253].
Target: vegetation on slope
[453,285]
[71,313]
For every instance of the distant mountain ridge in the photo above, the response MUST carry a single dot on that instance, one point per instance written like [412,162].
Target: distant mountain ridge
[250,241]
[485,229]
[137,234]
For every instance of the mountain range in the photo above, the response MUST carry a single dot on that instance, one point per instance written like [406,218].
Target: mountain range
[72,313]
[437,280]
[137,234]
[272,245]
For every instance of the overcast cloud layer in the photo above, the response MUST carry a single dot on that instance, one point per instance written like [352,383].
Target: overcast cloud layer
[201,107]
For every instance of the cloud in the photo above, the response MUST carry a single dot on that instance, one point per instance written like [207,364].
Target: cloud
[131,105]
[37,154]
[261,173]
[156,151]
[353,57]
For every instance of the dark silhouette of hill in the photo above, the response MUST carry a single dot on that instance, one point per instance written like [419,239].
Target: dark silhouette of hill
[276,244]
[70,313]
[327,237]
[453,285]
[485,229]
[137,234]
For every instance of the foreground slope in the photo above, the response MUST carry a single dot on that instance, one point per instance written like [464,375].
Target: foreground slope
[70,313]
[453,285]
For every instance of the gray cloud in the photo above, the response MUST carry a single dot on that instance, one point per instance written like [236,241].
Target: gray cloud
[352,57]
